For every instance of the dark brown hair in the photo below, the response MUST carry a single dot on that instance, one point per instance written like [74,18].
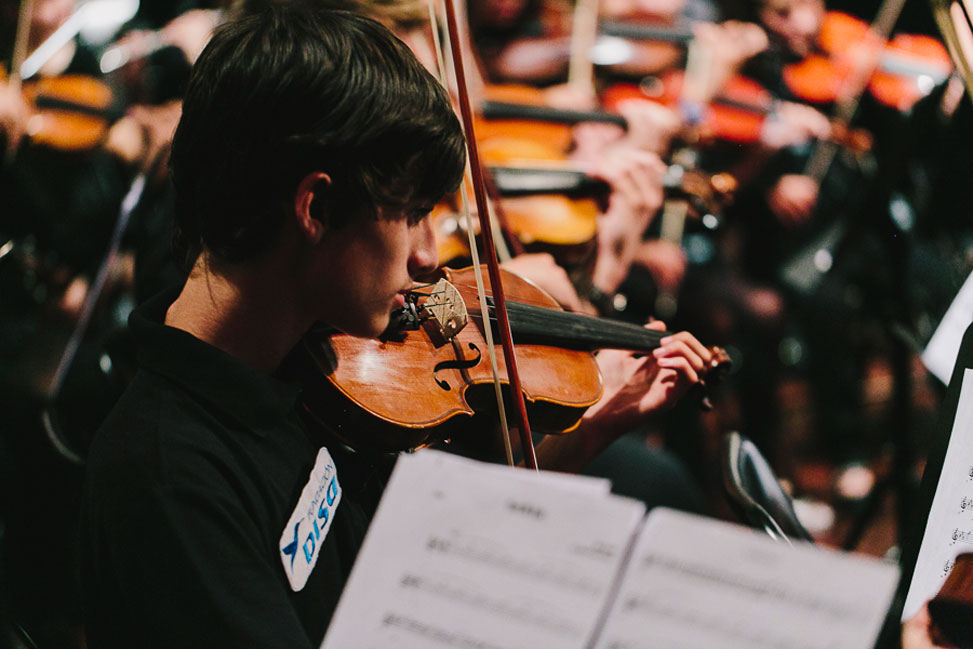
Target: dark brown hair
[295,89]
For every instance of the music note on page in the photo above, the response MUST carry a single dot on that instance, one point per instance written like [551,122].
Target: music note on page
[947,568]
[961,536]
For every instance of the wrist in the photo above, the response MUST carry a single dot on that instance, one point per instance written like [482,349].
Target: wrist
[600,426]
[603,302]
[609,271]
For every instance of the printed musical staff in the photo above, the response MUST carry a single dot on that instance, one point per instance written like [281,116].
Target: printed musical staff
[698,584]
[962,536]
[713,623]
[457,591]
[478,550]
[430,632]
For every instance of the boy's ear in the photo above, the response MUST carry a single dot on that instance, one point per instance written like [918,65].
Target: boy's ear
[309,204]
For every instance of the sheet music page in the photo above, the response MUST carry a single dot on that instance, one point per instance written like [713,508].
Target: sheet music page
[568,481]
[949,529]
[461,556]
[939,357]
[696,583]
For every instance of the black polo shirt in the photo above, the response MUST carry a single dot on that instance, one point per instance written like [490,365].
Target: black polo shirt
[190,484]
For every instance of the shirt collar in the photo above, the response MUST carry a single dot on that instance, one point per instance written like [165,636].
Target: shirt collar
[252,397]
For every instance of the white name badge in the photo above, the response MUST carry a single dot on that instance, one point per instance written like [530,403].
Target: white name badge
[303,536]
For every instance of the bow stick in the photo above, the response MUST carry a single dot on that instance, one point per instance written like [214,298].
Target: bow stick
[481,292]
[489,249]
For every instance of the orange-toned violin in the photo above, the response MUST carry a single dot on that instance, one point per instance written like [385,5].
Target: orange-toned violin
[434,368]
[555,210]
[69,112]
[737,114]
[906,68]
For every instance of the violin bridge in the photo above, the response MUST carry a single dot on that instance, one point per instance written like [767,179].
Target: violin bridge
[447,308]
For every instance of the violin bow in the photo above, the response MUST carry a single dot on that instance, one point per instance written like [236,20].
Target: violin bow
[14,81]
[20,42]
[953,19]
[474,253]
[490,252]
[584,35]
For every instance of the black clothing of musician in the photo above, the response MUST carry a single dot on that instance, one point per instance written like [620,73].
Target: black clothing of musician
[188,510]
[311,145]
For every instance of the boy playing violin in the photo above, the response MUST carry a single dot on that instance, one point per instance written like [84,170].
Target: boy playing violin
[311,147]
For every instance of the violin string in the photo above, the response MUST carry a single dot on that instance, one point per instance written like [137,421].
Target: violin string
[466,288]
[491,309]
[471,290]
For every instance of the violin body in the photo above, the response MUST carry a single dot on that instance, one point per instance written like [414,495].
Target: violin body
[737,114]
[913,64]
[554,139]
[555,223]
[907,67]
[545,222]
[70,112]
[417,389]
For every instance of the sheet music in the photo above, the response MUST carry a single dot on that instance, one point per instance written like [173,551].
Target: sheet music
[695,583]
[458,558]
[940,354]
[949,529]
[567,481]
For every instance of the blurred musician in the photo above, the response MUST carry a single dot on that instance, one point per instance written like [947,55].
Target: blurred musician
[784,211]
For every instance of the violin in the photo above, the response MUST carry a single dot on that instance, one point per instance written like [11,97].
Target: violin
[435,375]
[737,114]
[69,112]
[540,210]
[907,67]
[555,210]
[512,112]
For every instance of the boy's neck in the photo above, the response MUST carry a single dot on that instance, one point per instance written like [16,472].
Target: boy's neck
[245,310]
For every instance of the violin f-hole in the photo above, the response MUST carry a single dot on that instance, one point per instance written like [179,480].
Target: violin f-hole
[458,364]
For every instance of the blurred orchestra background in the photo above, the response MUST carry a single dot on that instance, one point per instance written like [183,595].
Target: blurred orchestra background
[788,179]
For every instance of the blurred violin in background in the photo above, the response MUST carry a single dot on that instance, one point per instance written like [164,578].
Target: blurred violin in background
[900,71]
[555,210]
[738,113]
[69,112]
